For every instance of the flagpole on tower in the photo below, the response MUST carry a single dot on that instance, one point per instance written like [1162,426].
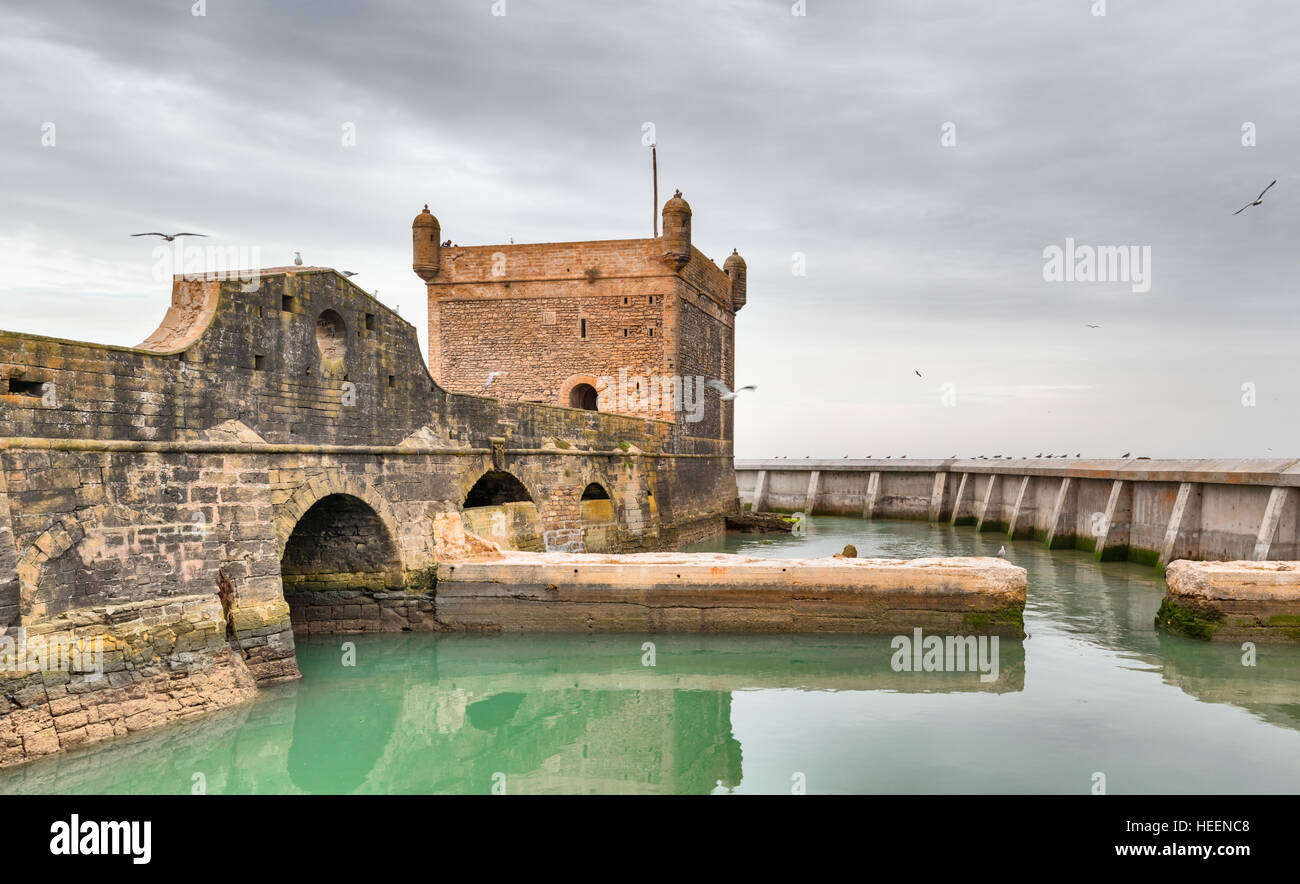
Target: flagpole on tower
[654,207]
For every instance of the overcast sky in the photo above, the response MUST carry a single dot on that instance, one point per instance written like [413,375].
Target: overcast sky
[819,134]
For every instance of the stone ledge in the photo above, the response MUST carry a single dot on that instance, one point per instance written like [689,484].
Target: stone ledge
[1232,601]
[708,592]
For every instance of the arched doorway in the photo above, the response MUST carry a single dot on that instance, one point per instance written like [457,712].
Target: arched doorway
[583,396]
[498,507]
[597,508]
[339,553]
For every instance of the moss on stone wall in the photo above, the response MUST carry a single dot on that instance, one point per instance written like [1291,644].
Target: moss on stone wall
[1187,620]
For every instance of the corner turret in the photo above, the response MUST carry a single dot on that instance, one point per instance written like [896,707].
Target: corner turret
[677,232]
[426,245]
[734,267]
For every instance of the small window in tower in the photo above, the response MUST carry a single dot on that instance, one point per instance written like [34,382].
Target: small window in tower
[259,312]
[370,322]
[286,303]
[582,328]
[652,333]
[259,363]
[625,333]
[392,380]
[625,302]
[652,299]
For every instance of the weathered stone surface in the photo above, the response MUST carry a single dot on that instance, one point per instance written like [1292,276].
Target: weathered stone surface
[1232,601]
[276,442]
[705,592]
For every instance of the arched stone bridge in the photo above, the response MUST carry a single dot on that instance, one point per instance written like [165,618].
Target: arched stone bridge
[285,439]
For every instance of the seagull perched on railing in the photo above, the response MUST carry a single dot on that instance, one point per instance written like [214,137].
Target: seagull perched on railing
[725,393]
[170,237]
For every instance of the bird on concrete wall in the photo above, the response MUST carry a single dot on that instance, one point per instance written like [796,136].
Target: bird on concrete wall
[297,259]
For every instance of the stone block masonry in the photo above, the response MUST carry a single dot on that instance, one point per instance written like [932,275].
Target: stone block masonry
[140,665]
[552,321]
[277,460]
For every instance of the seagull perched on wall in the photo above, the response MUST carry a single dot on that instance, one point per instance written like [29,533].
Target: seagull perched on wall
[1125,454]
[492,376]
[1002,552]
[297,259]
[725,393]
[1259,199]
[349,274]
[167,237]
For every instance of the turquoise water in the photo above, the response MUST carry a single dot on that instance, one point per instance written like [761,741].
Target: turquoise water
[1094,689]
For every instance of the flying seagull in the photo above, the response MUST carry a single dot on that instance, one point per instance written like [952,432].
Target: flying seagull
[918,374]
[1090,325]
[492,376]
[297,259]
[169,238]
[1259,199]
[725,393]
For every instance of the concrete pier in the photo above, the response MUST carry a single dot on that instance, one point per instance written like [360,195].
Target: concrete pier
[715,592]
[1232,601]
[1152,511]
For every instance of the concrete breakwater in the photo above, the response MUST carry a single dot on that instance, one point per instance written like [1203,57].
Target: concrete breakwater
[1232,601]
[1152,511]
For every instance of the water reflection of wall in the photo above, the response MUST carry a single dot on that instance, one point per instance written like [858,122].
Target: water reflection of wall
[1115,605]
[426,714]
[1212,673]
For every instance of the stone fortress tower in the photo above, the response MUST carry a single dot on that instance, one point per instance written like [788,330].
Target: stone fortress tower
[625,326]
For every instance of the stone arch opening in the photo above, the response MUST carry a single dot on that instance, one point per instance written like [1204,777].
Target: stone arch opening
[583,396]
[332,338]
[496,487]
[598,519]
[499,508]
[595,491]
[340,552]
